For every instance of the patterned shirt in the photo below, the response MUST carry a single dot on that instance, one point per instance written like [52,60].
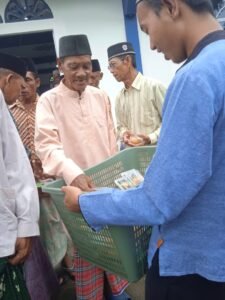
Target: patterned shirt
[139,108]
[25,121]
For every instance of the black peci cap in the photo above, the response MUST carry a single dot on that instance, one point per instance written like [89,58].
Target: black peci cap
[74,45]
[95,65]
[13,63]
[120,49]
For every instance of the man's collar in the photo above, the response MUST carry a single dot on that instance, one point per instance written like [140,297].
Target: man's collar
[208,39]
[20,105]
[137,81]
[17,104]
[136,84]
[70,92]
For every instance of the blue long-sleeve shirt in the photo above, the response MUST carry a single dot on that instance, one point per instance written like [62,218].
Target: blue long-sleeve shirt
[183,193]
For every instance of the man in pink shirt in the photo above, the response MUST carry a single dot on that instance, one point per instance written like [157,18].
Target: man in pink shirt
[74,131]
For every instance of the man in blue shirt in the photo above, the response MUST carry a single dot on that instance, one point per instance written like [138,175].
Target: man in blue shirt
[183,194]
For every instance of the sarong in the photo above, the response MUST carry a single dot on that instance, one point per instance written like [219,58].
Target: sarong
[12,283]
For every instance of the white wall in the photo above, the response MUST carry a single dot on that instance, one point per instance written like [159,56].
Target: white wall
[101,20]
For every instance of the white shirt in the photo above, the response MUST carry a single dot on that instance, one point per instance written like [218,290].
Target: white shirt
[19,205]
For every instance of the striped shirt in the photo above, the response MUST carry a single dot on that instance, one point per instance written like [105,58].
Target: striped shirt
[139,108]
[25,121]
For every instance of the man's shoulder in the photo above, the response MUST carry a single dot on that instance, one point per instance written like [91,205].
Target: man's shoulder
[50,94]
[95,92]
[17,105]
[150,81]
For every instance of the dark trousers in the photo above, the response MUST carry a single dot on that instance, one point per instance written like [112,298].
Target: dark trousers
[188,287]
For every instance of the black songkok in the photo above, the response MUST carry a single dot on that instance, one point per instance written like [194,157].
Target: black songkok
[74,45]
[13,63]
[120,49]
[95,65]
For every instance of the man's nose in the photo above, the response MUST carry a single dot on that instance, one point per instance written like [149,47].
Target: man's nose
[152,45]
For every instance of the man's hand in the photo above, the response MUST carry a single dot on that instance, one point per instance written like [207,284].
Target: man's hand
[140,140]
[126,136]
[22,250]
[71,198]
[83,182]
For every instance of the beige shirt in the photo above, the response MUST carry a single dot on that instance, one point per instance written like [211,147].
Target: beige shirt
[139,108]
[73,132]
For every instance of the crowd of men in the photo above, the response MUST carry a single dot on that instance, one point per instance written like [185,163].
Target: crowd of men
[48,136]
[44,125]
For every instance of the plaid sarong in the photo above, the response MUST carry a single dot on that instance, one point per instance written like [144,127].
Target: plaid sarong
[89,280]
[12,283]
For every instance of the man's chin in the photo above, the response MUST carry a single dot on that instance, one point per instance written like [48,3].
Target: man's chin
[79,88]
[25,97]
[117,79]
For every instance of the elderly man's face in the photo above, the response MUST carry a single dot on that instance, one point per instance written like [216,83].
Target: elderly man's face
[29,90]
[119,67]
[76,71]
[95,78]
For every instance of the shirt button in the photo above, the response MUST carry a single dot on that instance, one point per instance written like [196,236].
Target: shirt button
[159,243]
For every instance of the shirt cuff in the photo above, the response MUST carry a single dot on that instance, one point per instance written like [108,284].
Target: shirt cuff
[71,171]
[122,132]
[27,229]
[84,207]
[153,138]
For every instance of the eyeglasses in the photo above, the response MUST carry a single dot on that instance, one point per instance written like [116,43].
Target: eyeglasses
[114,65]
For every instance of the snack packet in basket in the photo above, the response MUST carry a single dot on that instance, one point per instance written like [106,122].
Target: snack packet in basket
[129,179]
[123,183]
[134,176]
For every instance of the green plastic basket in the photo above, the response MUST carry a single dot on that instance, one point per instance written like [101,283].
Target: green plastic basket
[119,249]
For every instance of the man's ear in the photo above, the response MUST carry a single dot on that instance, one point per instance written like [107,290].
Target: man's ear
[101,75]
[9,78]
[128,59]
[60,63]
[38,82]
[172,7]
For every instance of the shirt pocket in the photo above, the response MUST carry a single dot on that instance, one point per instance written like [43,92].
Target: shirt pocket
[8,218]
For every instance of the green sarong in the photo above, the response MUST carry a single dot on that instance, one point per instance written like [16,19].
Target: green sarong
[12,283]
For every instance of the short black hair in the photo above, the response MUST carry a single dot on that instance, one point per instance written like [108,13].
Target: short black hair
[198,6]
[35,74]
